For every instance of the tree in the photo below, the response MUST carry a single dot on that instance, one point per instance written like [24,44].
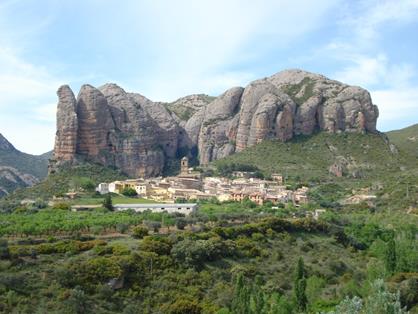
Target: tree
[129,192]
[139,232]
[390,257]
[154,225]
[4,249]
[181,223]
[258,297]
[182,306]
[299,288]
[379,301]
[77,301]
[241,301]
[107,202]
[300,294]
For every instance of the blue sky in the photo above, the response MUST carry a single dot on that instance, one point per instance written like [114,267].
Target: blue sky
[168,49]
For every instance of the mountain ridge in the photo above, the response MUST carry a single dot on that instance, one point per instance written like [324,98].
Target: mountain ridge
[128,131]
[18,169]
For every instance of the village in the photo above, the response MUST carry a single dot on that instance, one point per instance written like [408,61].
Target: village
[190,186]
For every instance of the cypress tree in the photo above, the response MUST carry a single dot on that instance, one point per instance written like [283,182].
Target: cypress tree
[300,269]
[390,257]
[241,301]
[300,286]
[258,297]
[107,202]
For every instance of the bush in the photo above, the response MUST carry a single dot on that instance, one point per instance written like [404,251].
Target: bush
[4,249]
[122,228]
[182,306]
[160,246]
[181,223]
[139,232]
[107,202]
[62,206]
[129,192]
[154,225]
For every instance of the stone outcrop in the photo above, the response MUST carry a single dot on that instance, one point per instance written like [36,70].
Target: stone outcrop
[130,132]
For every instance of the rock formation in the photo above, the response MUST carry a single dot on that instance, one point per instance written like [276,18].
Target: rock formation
[130,132]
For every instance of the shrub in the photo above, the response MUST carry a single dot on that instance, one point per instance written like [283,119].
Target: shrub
[62,206]
[160,246]
[181,223]
[4,249]
[122,228]
[182,306]
[154,225]
[139,232]
[129,192]
[107,202]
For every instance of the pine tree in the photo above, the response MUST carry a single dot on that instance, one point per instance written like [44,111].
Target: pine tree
[390,257]
[107,202]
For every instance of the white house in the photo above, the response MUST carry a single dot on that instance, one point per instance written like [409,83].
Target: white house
[103,188]
[185,209]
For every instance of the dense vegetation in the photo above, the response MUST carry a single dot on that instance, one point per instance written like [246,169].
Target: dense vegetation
[372,164]
[226,258]
[222,259]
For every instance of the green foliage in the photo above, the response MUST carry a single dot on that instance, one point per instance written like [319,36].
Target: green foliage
[327,195]
[198,269]
[184,307]
[405,141]
[62,206]
[129,192]
[181,223]
[379,301]
[82,183]
[139,232]
[294,89]
[300,286]
[77,301]
[107,202]
[241,301]
[153,225]
[157,245]
[390,257]
[62,181]
[4,249]
[226,169]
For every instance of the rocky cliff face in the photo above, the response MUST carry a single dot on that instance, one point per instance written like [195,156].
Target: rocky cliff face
[130,132]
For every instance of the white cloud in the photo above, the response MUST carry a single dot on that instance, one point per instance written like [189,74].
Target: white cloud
[371,71]
[197,45]
[363,61]
[398,107]
[370,16]
[24,89]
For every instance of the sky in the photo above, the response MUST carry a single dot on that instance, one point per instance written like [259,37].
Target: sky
[166,49]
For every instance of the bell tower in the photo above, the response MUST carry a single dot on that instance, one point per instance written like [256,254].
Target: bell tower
[184,165]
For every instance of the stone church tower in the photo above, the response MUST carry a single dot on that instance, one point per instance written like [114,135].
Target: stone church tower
[184,165]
